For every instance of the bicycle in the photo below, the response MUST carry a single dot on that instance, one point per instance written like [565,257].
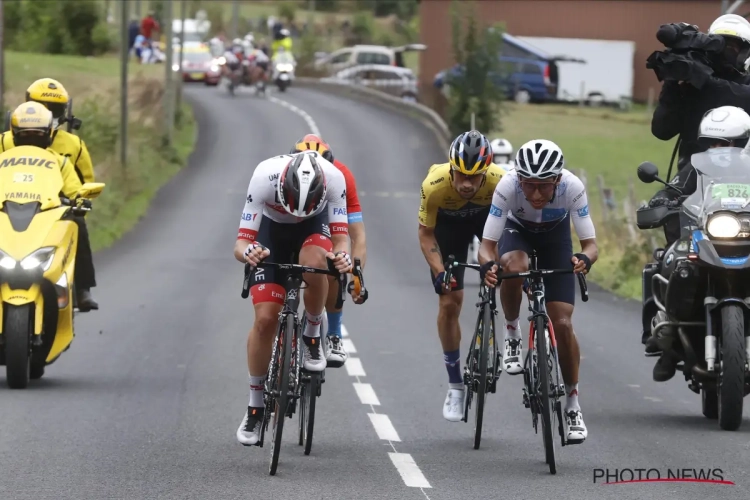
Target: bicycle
[481,371]
[543,398]
[286,375]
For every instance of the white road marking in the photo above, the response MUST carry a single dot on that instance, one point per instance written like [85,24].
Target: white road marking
[404,463]
[409,470]
[354,368]
[384,427]
[634,386]
[349,346]
[655,400]
[366,394]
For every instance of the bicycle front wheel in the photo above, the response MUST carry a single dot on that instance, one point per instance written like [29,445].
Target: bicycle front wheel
[284,360]
[484,354]
[543,396]
[311,395]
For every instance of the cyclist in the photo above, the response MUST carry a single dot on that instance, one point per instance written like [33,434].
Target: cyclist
[337,355]
[531,209]
[51,94]
[456,199]
[295,204]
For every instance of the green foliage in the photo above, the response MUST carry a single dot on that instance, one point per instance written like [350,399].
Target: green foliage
[286,11]
[304,52]
[327,5]
[215,15]
[474,90]
[363,28]
[57,27]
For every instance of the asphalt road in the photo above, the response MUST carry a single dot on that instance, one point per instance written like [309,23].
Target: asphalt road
[146,402]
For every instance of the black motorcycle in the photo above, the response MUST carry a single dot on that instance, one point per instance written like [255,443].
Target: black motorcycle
[701,284]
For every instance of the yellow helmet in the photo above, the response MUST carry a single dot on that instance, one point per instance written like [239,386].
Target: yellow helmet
[51,93]
[470,153]
[31,124]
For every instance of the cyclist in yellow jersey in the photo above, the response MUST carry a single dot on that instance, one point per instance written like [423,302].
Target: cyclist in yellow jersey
[456,199]
[54,97]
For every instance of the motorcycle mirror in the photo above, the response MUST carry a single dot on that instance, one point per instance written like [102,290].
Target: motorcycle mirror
[648,172]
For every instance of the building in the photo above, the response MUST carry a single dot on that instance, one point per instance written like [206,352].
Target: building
[635,20]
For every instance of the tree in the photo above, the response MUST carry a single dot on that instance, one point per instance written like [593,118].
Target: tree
[475,82]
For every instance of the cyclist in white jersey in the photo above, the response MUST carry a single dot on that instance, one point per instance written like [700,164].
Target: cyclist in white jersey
[296,204]
[531,209]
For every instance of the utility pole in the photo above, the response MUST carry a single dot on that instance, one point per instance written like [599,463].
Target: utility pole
[182,50]
[168,103]
[235,18]
[124,56]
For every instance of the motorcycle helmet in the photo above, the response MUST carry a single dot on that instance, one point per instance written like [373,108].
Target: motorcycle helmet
[736,32]
[301,188]
[51,94]
[727,126]
[31,124]
[470,153]
[502,151]
[539,159]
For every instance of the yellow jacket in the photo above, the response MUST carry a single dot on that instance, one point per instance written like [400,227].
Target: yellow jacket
[286,43]
[71,184]
[65,144]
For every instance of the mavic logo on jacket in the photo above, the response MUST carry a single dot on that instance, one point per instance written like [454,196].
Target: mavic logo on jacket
[28,161]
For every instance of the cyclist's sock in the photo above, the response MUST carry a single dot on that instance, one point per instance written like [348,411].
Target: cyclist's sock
[313,324]
[256,391]
[453,365]
[511,329]
[334,323]
[571,402]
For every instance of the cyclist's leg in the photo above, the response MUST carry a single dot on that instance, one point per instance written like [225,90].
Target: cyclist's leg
[452,239]
[514,258]
[337,355]
[315,242]
[267,292]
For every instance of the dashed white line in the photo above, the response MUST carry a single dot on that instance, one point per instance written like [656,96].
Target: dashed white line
[409,470]
[655,400]
[383,427]
[349,346]
[366,394]
[344,331]
[354,368]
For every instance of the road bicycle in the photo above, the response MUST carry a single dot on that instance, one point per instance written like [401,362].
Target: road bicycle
[482,368]
[543,390]
[287,380]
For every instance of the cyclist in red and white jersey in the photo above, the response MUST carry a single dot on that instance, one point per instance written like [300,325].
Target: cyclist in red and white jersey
[337,355]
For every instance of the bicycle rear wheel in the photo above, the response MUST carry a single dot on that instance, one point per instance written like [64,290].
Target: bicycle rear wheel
[284,360]
[482,386]
[543,396]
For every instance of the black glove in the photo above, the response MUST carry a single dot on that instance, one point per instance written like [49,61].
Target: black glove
[658,201]
[484,268]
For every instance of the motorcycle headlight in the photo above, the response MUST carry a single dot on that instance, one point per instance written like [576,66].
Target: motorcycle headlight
[175,67]
[284,67]
[221,61]
[41,258]
[6,261]
[723,226]
[214,68]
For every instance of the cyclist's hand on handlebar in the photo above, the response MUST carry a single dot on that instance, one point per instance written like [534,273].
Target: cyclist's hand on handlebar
[440,287]
[255,253]
[342,261]
[581,263]
[489,271]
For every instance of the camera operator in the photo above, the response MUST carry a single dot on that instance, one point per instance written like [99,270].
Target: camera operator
[680,111]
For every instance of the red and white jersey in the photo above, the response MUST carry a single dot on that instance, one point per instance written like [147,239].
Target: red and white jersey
[262,198]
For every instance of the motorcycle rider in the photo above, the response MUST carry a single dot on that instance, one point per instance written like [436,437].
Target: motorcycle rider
[726,126]
[502,152]
[51,94]
[680,110]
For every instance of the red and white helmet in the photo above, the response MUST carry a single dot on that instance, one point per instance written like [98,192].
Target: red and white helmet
[302,185]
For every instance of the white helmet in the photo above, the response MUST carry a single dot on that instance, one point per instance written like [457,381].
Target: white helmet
[731,25]
[539,159]
[237,41]
[502,151]
[301,189]
[725,124]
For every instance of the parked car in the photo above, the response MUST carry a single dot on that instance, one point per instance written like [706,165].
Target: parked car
[395,81]
[365,54]
[197,65]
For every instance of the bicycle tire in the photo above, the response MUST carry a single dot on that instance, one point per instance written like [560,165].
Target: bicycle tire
[543,395]
[282,399]
[312,393]
[482,387]
[302,412]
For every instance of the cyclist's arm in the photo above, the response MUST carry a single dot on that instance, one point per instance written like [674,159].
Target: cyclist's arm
[337,218]
[495,224]
[354,215]
[252,214]
[582,222]
[427,221]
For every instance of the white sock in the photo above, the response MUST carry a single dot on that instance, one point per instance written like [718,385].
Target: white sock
[256,391]
[511,329]
[571,401]
[313,324]
[456,387]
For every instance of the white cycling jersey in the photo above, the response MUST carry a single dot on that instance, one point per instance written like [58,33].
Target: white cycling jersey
[260,56]
[509,202]
[262,199]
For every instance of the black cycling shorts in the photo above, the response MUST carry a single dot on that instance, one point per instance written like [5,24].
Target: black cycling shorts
[554,250]
[284,242]
[454,235]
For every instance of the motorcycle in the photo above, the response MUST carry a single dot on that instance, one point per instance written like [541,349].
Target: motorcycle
[283,71]
[38,242]
[701,283]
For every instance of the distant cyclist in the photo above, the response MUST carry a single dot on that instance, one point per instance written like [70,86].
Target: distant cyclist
[456,198]
[531,209]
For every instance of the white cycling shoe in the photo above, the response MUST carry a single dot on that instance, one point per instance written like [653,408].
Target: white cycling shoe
[512,356]
[336,355]
[453,408]
[575,428]
[248,434]
[313,358]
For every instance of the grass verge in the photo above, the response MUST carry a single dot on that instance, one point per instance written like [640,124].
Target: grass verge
[94,85]
[607,143]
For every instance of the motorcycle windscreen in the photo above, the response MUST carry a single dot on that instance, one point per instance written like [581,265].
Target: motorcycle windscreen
[723,183]
[28,178]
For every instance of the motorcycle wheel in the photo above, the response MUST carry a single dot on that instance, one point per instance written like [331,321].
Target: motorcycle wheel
[732,377]
[17,332]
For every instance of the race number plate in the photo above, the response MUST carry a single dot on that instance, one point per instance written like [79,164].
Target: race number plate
[20,177]
[731,191]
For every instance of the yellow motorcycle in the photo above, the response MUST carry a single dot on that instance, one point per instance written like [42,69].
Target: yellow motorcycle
[38,242]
